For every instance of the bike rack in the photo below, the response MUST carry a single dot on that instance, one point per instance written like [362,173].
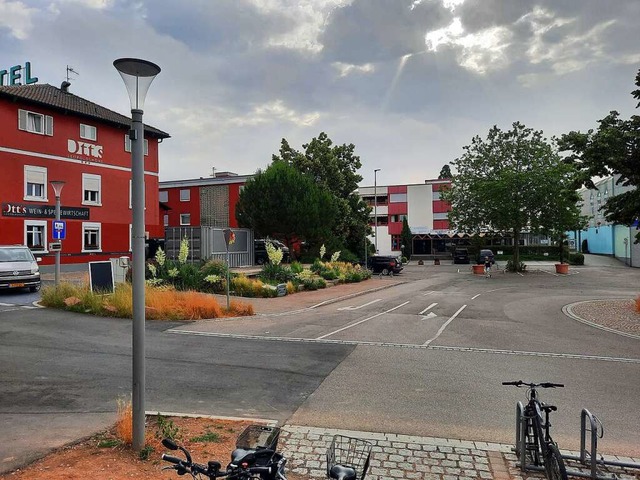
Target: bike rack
[588,458]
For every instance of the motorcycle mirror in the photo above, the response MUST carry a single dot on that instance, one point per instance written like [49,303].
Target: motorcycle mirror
[170,444]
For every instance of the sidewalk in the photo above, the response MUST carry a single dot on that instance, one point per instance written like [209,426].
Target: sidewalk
[408,457]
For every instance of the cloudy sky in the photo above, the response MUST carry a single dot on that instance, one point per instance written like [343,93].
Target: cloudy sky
[408,82]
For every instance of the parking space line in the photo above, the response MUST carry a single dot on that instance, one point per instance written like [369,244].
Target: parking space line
[361,321]
[365,305]
[428,342]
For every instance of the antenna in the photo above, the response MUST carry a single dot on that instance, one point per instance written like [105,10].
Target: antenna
[70,70]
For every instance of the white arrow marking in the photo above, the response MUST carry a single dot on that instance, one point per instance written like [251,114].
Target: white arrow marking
[428,308]
[361,321]
[356,308]
[430,315]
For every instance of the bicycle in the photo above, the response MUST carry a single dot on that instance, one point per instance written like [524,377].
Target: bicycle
[534,436]
[255,457]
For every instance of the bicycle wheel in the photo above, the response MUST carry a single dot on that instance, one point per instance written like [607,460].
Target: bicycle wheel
[553,464]
[532,442]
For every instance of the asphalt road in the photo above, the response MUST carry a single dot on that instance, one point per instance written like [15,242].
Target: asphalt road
[425,357]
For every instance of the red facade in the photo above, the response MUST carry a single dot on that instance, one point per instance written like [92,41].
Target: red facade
[95,200]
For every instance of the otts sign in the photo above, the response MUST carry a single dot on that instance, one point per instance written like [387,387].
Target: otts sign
[14,75]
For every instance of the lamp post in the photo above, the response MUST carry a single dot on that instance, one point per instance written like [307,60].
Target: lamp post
[137,75]
[57,190]
[375,207]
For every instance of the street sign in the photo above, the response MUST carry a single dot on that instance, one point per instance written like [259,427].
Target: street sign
[59,229]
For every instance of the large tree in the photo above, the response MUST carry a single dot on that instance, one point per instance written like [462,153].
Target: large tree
[281,202]
[445,172]
[512,182]
[334,167]
[613,149]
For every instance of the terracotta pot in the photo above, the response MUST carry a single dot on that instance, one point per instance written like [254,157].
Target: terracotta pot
[562,268]
[478,269]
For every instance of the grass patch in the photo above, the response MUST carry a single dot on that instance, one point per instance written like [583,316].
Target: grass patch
[208,437]
[162,303]
[109,443]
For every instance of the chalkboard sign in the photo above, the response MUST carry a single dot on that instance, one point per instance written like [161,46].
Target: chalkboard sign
[101,277]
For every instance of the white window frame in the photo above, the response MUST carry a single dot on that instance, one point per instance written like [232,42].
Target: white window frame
[43,225]
[127,144]
[182,215]
[26,122]
[88,132]
[91,226]
[187,197]
[89,178]
[165,220]
[31,170]
[163,196]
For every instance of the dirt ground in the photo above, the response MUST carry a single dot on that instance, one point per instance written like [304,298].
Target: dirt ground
[104,456]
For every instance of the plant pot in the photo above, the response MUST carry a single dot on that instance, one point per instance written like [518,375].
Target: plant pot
[562,268]
[478,269]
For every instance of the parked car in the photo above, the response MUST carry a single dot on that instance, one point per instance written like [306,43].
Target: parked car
[260,250]
[461,255]
[484,254]
[18,268]
[386,265]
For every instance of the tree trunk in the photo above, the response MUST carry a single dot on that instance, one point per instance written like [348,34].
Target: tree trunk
[516,249]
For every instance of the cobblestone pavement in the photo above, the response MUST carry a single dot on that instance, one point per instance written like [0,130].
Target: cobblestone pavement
[402,456]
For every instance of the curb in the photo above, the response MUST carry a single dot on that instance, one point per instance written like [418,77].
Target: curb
[568,311]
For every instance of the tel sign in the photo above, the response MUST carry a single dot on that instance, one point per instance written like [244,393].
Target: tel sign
[13,75]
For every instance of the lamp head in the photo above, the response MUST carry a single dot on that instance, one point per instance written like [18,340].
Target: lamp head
[137,75]
[57,186]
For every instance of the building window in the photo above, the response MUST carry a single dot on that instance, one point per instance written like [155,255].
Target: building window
[91,237]
[435,196]
[91,187]
[35,235]
[441,216]
[398,198]
[166,220]
[35,183]
[396,242]
[185,195]
[398,218]
[88,132]
[35,122]
[127,144]
[185,219]
[163,196]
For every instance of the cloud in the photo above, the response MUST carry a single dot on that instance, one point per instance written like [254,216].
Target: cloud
[16,18]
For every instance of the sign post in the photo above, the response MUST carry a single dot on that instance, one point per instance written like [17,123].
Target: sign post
[229,239]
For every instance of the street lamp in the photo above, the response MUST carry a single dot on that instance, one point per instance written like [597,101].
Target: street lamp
[375,207]
[57,190]
[137,75]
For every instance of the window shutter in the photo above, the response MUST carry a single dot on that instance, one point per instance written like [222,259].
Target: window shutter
[48,125]
[92,183]
[22,120]
[34,176]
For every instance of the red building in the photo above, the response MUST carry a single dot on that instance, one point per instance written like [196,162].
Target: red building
[48,134]
[209,201]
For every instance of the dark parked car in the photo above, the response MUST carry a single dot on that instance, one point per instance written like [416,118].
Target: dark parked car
[386,265]
[260,250]
[483,254]
[18,268]
[461,255]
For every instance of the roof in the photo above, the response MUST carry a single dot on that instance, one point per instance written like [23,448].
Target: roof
[205,181]
[49,96]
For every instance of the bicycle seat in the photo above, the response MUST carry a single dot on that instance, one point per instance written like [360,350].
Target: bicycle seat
[338,472]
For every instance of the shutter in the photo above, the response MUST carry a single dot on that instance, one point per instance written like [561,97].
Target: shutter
[22,120]
[92,183]
[48,125]
[34,176]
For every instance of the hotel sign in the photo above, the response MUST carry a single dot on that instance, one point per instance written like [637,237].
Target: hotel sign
[43,211]
[13,75]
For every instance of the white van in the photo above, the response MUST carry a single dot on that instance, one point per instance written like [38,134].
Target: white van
[18,268]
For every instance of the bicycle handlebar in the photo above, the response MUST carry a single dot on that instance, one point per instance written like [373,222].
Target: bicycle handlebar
[520,383]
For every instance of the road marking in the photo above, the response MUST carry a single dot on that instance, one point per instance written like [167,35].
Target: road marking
[6,304]
[427,317]
[361,321]
[429,293]
[428,308]
[365,305]
[490,351]
[428,342]
[476,296]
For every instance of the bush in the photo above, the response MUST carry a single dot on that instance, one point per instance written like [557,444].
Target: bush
[296,267]
[214,267]
[513,267]
[576,259]
[276,273]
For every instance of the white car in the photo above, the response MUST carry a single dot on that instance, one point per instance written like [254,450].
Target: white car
[18,268]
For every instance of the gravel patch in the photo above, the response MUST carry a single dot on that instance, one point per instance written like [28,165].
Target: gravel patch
[619,315]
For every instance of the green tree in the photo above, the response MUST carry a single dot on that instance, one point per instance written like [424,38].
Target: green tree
[613,149]
[334,167]
[512,181]
[406,238]
[283,203]
[445,172]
